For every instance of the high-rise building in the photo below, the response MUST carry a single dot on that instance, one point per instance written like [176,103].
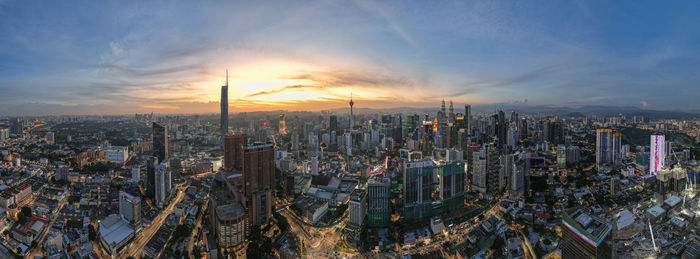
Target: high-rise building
[130,210]
[468,118]
[378,198]
[486,171]
[657,154]
[417,181]
[333,123]
[259,180]
[603,147]
[452,185]
[233,151]
[283,125]
[561,156]
[585,236]
[617,149]
[136,174]
[151,164]
[161,142]
[224,107]
[226,215]
[352,117]
[50,138]
[163,184]
[357,205]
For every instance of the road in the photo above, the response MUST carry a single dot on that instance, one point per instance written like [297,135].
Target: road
[38,250]
[136,247]
[195,230]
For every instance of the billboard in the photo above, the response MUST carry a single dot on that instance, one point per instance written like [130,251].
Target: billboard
[657,153]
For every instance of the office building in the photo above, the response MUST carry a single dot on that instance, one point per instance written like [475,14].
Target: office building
[136,174]
[161,142]
[224,108]
[561,156]
[603,148]
[585,236]
[151,164]
[130,210]
[418,178]
[357,205]
[228,221]
[259,179]
[378,198]
[50,138]
[282,125]
[117,154]
[115,234]
[233,151]
[452,179]
[617,149]
[163,184]
[657,153]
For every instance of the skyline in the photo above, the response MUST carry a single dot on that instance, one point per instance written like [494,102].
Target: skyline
[96,58]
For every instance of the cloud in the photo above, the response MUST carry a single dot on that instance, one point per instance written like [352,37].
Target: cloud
[645,104]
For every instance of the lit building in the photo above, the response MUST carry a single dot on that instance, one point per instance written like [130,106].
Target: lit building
[233,151]
[50,138]
[357,205]
[417,181]
[603,147]
[228,221]
[161,142]
[452,182]
[585,236]
[130,210]
[115,234]
[378,198]
[224,108]
[561,156]
[283,125]
[163,184]
[116,154]
[259,179]
[657,154]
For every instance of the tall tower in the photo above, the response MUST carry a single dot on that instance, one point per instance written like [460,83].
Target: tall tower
[352,118]
[224,107]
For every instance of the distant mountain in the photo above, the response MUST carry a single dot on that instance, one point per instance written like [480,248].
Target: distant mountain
[587,110]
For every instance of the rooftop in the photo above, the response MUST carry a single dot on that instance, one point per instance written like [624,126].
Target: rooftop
[589,227]
[114,229]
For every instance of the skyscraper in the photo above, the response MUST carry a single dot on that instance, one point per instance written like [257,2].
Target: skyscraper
[151,164]
[603,147]
[418,180]
[259,179]
[283,125]
[130,209]
[378,210]
[585,236]
[352,118]
[161,142]
[468,118]
[233,151]
[617,149]
[224,107]
[333,123]
[162,181]
[657,154]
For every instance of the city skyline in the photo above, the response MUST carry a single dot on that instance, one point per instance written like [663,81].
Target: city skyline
[123,58]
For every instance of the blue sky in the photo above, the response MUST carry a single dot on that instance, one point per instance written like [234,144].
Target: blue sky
[140,56]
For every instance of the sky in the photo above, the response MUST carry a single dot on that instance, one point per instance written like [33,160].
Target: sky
[120,57]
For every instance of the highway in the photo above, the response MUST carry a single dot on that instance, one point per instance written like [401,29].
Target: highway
[136,247]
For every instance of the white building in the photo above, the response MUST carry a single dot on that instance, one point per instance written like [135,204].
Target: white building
[116,154]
